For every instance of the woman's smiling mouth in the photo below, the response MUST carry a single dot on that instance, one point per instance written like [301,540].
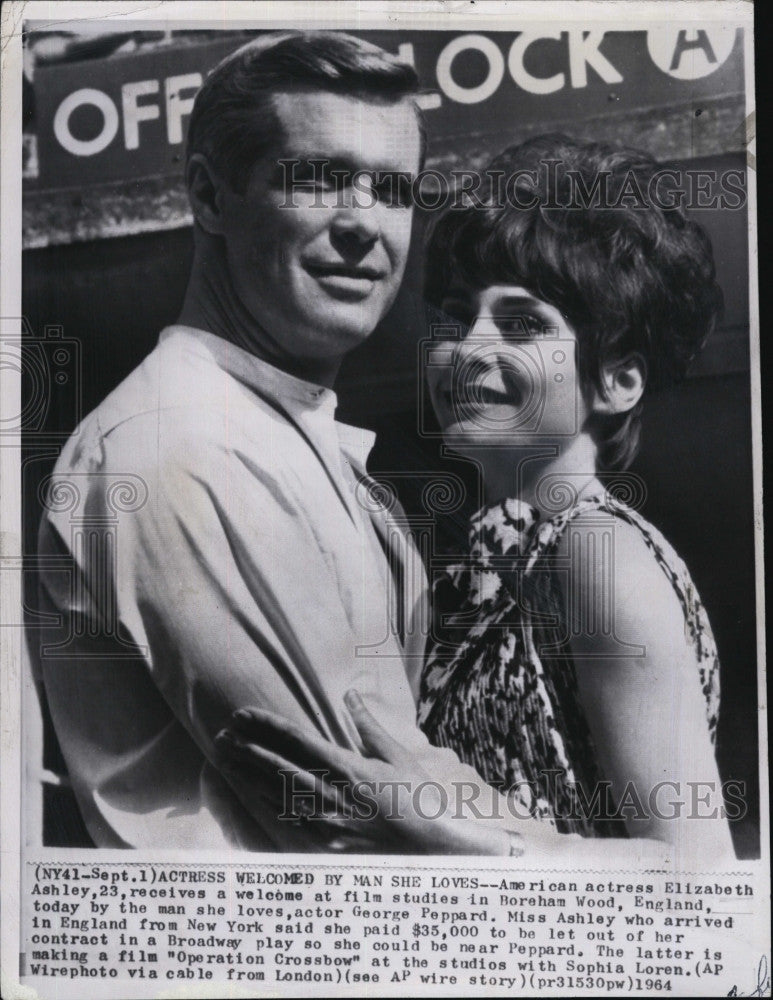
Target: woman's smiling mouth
[478,397]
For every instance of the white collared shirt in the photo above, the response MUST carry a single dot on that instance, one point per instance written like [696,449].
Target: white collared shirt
[216,515]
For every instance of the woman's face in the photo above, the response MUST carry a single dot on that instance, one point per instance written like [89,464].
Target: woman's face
[510,378]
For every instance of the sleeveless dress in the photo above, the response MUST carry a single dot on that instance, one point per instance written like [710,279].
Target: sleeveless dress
[499,687]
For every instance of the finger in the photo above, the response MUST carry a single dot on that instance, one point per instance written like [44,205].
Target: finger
[249,720]
[376,741]
[289,785]
[306,750]
[347,844]
[358,836]
[267,727]
[255,782]
[351,845]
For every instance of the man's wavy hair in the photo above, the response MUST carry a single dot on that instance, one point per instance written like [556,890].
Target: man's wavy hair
[627,279]
[233,122]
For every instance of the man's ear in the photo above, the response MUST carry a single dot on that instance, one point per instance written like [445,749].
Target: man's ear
[624,383]
[205,190]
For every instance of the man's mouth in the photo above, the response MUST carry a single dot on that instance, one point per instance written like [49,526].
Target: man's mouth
[348,282]
[361,272]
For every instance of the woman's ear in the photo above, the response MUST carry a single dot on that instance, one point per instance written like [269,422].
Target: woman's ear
[205,194]
[624,383]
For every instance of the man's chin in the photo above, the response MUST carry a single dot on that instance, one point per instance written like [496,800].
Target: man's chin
[341,331]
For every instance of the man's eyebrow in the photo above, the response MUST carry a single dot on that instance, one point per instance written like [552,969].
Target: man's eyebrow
[343,164]
[330,162]
[320,162]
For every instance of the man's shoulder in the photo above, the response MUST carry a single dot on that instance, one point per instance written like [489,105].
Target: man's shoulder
[177,407]
[176,382]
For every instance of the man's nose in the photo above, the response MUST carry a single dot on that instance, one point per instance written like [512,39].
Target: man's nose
[356,221]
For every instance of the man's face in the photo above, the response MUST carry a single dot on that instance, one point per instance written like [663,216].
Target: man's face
[317,267]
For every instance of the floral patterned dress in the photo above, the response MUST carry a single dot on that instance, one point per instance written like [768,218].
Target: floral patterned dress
[499,687]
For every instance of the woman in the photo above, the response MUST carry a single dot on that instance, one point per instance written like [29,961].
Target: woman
[573,664]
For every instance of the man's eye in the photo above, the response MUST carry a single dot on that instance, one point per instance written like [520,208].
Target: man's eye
[393,189]
[336,178]
[333,179]
[322,175]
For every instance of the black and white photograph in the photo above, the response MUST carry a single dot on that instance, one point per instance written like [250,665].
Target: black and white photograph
[382,469]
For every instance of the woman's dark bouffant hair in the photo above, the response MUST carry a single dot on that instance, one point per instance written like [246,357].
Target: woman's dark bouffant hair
[628,277]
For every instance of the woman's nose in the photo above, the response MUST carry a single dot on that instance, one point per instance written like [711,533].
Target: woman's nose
[479,341]
[483,327]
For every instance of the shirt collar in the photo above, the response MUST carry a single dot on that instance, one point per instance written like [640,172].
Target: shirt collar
[254,371]
[294,395]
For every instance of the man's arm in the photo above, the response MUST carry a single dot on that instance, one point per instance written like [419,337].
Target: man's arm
[222,586]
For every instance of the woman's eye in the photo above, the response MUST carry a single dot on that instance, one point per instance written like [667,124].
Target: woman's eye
[523,325]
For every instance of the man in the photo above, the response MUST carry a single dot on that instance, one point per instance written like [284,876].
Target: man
[249,570]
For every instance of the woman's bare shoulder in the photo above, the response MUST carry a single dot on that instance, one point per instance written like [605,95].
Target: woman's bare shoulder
[629,585]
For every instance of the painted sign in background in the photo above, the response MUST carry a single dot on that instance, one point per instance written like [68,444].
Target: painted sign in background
[124,118]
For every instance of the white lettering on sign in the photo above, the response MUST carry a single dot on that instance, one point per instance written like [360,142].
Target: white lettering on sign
[134,113]
[176,106]
[519,73]
[683,53]
[584,51]
[79,98]
[496,69]
[179,93]
[690,53]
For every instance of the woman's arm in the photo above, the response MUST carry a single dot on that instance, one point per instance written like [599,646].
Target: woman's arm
[260,747]
[639,686]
